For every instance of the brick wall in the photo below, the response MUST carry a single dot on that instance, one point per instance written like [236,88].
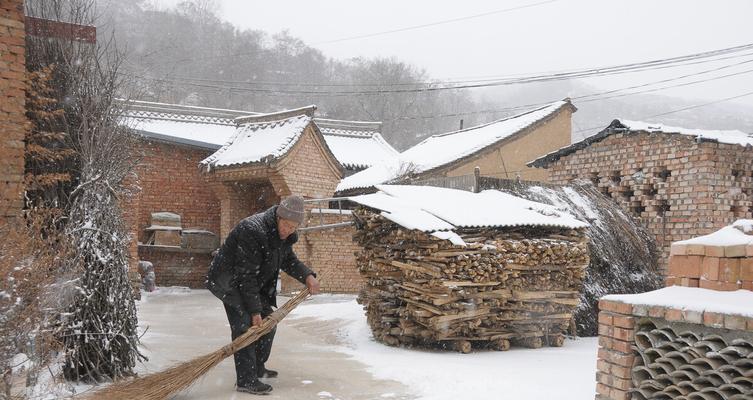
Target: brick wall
[309,171]
[677,187]
[331,253]
[169,179]
[13,123]
[508,158]
[176,266]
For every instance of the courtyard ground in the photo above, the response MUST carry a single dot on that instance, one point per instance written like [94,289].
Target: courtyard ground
[324,350]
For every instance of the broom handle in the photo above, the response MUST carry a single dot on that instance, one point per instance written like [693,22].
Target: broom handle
[255,332]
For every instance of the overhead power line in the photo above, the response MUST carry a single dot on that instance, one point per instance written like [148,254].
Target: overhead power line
[408,28]
[590,72]
[447,21]
[677,110]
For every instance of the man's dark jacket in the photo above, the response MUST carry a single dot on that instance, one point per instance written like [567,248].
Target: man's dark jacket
[244,273]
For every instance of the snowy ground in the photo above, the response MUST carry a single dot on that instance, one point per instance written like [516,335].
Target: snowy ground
[324,350]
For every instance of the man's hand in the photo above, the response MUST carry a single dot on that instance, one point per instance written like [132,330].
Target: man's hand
[312,284]
[256,319]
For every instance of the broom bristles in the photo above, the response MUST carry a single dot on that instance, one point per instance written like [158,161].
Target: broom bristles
[164,384]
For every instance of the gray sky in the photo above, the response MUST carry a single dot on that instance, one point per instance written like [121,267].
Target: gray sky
[549,36]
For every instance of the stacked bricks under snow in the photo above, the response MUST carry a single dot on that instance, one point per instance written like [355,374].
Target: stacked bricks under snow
[702,263]
[13,122]
[682,352]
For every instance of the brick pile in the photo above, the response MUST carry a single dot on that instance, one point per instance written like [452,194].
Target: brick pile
[632,336]
[678,188]
[618,353]
[13,122]
[711,267]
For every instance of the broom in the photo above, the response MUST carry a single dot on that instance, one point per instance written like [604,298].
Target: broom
[164,384]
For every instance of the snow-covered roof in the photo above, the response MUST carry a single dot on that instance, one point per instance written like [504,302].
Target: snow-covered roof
[693,299]
[204,127]
[624,125]
[446,148]
[356,144]
[262,138]
[432,209]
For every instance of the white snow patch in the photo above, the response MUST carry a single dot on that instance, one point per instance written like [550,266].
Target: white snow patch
[361,151]
[324,394]
[693,299]
[517,374]
[307,382]
[728,236]
[722,136]
[430,209]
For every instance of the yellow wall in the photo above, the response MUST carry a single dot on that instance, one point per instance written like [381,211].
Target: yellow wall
[549,136]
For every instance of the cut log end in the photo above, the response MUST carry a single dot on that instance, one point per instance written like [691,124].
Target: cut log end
[500,344]
[463,346]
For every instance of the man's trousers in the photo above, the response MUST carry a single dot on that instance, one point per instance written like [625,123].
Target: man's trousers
[249,361]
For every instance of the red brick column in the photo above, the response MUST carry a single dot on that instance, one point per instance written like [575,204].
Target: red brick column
[13,122]
[616,354]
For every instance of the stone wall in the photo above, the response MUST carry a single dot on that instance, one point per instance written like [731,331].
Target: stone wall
[13,122]
[678,188]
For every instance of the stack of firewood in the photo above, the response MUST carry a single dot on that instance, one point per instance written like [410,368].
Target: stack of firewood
[508,285]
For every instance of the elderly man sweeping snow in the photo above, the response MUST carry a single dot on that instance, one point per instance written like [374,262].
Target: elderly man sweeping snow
[244,276]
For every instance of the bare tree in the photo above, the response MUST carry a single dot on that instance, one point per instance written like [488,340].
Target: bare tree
[97,325]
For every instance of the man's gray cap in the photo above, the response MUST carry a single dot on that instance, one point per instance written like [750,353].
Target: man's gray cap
[291,209]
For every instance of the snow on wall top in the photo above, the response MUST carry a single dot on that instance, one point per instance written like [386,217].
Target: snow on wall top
[356,144]
[262,138]
[693,299]
[431,209]
[198,126]
[442,149]
[622,125]
[739,233]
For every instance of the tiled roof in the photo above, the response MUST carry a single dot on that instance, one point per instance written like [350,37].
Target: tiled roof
[261,138]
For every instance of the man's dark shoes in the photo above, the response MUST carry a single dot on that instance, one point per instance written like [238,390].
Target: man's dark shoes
[266,373]
[257,387]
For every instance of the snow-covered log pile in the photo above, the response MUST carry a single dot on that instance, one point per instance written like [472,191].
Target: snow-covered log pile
[517,284]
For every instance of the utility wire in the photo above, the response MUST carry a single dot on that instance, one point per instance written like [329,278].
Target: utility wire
[619,69]
[677,110]
[422,83]
[193,59]
[593,96]
[447,21]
